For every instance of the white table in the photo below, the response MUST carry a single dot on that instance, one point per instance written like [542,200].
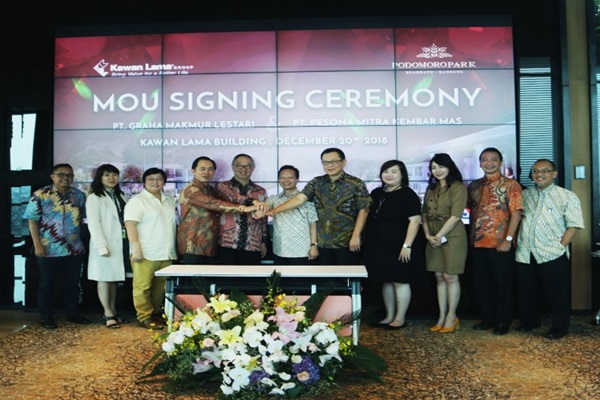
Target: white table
[349,274]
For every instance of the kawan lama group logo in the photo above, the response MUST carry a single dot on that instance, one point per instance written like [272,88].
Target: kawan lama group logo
[434,52]
[101,68]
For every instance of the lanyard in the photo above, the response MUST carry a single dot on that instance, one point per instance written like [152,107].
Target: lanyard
[112,195]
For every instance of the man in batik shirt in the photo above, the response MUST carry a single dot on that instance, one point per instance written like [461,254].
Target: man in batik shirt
[199,226]
[243,239]
[55,214]
[496,203]
[552,216]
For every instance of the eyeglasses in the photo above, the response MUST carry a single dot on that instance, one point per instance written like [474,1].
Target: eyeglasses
[242,166]
[542,171]
[63,176]
[333,163]
[155,179]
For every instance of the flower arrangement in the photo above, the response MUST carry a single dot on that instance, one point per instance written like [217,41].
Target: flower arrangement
[274,349]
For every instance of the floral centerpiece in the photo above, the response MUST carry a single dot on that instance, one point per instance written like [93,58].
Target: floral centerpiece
[273,349]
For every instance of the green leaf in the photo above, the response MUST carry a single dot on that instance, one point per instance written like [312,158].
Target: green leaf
[364,359]
[314,303]
[155,357]
[238,296]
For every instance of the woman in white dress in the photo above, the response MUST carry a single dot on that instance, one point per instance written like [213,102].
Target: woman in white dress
[108,240]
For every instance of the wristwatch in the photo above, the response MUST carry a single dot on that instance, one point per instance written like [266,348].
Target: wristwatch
[509,238]
[313,244]
[406,246]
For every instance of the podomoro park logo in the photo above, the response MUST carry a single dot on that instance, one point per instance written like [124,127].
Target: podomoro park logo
[434,53]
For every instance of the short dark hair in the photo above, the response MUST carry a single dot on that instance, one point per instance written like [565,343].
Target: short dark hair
[545,160]
[61,165]
[296,171]
[97,187]
[444,160]
[197,160]
[242,155]
[495,150]
[153,171]
[403,171]
[334,150]
[540,160]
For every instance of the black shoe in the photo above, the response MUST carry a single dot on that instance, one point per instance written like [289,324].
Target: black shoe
[158,319]
[501,329]
[149,324]
[527,327]
[78,319]
[48,323]
[377,325]
[554,334]
[483,326]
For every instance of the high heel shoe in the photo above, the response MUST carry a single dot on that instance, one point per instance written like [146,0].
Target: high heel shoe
[455,326]
[436,328]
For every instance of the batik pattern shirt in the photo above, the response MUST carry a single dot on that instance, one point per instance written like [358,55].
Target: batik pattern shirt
[492,200]
[291,229]
[59,217]
[241,231]
[546,216]
[338,203]
[198,230]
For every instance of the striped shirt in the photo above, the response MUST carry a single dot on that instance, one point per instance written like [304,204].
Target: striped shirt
[546,216]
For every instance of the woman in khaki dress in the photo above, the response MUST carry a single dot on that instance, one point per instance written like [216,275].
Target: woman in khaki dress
[446,249]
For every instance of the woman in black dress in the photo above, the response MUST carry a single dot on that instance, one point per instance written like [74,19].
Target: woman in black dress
[394,245]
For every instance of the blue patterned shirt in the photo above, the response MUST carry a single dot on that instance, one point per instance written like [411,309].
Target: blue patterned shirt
[60,218]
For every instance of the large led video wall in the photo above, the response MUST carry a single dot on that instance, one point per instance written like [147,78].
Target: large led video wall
[401,92]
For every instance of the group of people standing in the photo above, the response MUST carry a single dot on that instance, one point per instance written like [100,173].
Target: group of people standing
[518,239]
[333,220]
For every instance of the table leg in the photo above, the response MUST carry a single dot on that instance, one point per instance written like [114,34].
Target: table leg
[356,305]
[170,298]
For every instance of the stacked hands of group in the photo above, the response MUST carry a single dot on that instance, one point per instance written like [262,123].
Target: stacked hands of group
[259,209]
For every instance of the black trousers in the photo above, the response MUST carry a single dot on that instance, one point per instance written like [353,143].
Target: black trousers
[493,283]
[555,279]
[338,257]
[229,256]
[290,260]
[68,270]
[198,259]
